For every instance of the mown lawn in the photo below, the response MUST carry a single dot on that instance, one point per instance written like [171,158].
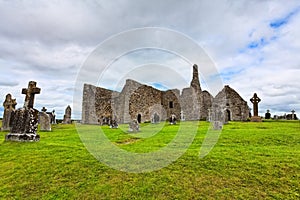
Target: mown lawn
[249,161]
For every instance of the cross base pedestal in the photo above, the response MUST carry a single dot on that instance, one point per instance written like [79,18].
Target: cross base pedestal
[22,137]
[256,119]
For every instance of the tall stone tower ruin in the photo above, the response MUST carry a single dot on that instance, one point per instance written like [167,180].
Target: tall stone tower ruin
[195,83]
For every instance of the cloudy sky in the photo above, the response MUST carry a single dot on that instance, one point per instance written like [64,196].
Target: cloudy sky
[254,46]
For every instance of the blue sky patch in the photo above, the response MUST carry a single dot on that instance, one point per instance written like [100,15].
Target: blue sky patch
[159,86]
[230,73]
[277,23]
[256,44]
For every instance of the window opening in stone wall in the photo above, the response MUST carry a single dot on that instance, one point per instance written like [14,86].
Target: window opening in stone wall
[171,104]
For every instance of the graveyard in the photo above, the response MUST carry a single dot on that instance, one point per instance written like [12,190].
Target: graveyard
[250,160]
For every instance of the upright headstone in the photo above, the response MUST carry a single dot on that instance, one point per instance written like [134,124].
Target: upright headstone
[173,119]
[268,115]
[24,121]
[182,118]
[134,126]
[255,100]
[53,120]
[44,120]
[9,108]
[114,124]
[155,118]
[67,116]
[293,114]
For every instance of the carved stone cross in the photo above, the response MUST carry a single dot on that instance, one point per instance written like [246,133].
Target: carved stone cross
[30,92]
[293,114]
[255,100]
[44,109]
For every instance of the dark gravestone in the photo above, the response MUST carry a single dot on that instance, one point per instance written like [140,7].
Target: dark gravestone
[105,120]
[255,100]
[67,116]
[24,121]
[114,124]
[44,120]
[53,119]
[268,115]
[9,108]
[173,119]
[293,114]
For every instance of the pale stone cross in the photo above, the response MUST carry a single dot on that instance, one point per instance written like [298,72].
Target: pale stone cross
[30,92]
[255,100]
[44,109]
[293,114]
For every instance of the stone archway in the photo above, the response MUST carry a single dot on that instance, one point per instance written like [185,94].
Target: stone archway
[139,118]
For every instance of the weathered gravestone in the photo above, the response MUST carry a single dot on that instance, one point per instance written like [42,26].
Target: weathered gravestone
[67,116]
[134,126]
[9,108]
[173,119]
[44,120]
[105,120]
[114,124]
[255,100]
[182,117]
[53,120]
[155,118]
[293,114]
[268,115]
[24,121]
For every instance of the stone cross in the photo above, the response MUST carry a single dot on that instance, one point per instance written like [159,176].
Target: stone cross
[44,109]
[30,92]
[255,100]
[293,114]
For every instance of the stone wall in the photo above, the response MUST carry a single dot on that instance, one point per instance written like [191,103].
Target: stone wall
[190,104]
[138,99]
[88,105]
[206,104]
[171,103]
[142,100]
[232,105]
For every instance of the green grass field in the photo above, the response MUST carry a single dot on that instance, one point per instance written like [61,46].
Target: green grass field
[250,161]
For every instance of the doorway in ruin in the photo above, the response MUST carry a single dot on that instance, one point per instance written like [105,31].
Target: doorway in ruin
[227,115]
[139,118]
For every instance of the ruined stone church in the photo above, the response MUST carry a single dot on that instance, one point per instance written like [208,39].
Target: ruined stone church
[143,102]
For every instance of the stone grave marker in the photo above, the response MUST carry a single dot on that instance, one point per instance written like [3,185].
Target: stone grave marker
[67,115]
[114,124]
[9,108]
[268,115]
[24,121]
[155,118]
[173,119]
[53,120]
[255,100]
[182,117]
[44,120]
[134,126]
[293,114]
